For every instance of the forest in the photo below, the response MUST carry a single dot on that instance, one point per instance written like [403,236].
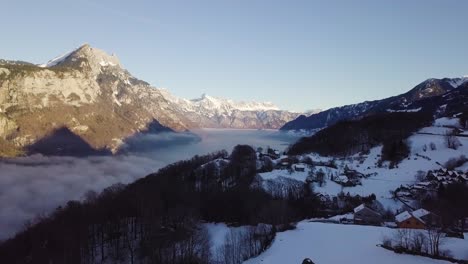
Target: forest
[353,136]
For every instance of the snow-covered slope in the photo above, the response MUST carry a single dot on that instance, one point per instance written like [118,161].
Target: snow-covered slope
[382,179]
[58,60]
[215,112]
[456,82]
[351,244]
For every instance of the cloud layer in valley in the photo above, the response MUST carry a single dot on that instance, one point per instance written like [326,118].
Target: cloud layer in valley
[36,185]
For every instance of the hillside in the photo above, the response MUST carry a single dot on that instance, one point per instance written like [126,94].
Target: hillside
[397,123]
[426,89]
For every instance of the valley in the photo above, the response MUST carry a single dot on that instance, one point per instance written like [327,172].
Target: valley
[234,132]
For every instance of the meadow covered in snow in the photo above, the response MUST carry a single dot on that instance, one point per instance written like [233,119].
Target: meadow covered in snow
[352,244]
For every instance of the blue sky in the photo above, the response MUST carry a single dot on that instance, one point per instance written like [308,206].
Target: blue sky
[298,54]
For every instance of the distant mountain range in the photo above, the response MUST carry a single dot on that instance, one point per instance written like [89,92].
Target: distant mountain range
[404,102]
[213,112]
[86,93]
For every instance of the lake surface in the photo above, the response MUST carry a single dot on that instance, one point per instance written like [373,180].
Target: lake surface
[37,184]
[179,147]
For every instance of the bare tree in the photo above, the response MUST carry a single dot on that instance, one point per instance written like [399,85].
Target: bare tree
[320,175]
[452,141]
[420,176]
[435,238]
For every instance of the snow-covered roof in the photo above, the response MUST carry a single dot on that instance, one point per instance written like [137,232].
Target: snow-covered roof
[299,166]
[403,216]
[359,208]
[420,213]
[343,178]
[424,183]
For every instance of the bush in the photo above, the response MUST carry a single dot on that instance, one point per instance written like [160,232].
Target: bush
[452,141]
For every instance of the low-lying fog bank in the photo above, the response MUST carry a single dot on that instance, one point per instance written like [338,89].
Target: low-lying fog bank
[35,185]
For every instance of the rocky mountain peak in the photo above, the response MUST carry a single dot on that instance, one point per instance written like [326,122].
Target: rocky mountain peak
[85,56]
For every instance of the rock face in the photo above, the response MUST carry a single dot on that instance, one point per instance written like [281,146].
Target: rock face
[404,102]
[85,91]
[90,94]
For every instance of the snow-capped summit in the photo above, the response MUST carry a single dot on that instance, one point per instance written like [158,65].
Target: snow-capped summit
[211,103]
[217,103]
[455,82]
[57,60]
[215,112]
[94,57]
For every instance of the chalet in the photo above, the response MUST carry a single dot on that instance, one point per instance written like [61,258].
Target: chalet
[365,215]
[284,162]
[407,220]
[299,167]
[325,199]
[418,219]
[342,179]
[273,153]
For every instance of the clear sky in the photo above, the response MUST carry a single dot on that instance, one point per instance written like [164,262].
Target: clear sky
[298,54]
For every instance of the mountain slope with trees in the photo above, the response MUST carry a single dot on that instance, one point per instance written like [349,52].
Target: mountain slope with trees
[427,89]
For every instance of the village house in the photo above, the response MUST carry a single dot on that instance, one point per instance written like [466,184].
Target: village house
[273,153]
[299,167]
[325,199]
[285,162]
[445,177]
[418,219]
[342,179]
[365,215]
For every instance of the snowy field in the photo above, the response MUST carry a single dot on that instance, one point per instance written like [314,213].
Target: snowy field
[351,244]
[383,179]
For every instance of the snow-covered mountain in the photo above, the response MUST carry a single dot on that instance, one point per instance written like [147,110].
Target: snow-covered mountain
[214,112]
[428,88]
[85,96]
[88,97]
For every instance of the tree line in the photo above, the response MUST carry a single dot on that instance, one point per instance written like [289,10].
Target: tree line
[353,136]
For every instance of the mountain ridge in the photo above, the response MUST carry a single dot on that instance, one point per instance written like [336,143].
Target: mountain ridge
[426,89]
[90,93]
